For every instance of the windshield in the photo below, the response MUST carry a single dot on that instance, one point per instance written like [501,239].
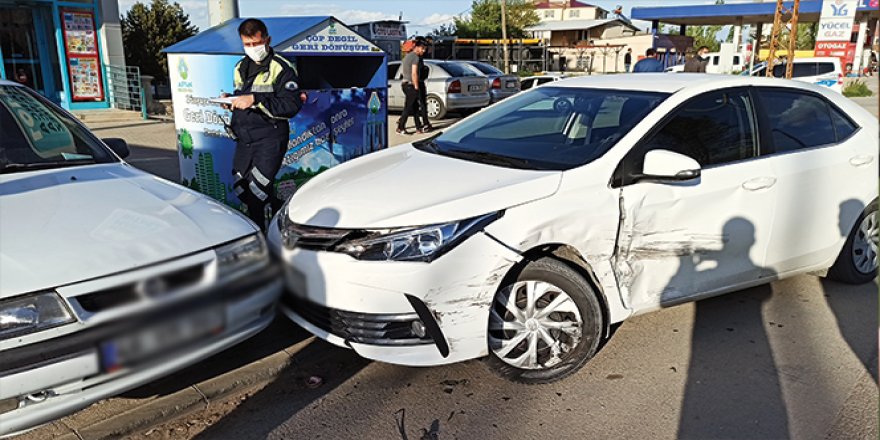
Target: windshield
[37,136]
[549,128]
[487,69]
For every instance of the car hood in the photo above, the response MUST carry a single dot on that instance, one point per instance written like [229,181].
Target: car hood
[66,225]
[403,186]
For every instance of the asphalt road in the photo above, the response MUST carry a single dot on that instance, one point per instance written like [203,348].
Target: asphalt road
[795,359]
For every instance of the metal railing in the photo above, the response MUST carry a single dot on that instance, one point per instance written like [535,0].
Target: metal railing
[126,91]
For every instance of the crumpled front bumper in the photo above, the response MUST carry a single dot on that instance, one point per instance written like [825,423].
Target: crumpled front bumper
[453,293]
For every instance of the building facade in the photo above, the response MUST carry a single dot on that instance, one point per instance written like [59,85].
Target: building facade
[560,10]
[62,48]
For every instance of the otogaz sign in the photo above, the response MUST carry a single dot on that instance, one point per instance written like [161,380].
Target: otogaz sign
[836,21]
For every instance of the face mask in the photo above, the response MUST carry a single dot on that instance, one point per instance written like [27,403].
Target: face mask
[257,53]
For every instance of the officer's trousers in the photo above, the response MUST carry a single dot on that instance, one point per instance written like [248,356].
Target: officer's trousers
[254,168]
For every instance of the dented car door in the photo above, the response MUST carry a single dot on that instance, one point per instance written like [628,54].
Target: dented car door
[681,239]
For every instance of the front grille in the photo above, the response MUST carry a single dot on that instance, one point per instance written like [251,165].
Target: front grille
[155,287]
[365,328]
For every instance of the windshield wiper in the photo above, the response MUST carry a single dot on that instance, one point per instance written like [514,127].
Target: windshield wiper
[13,167]
[490,158]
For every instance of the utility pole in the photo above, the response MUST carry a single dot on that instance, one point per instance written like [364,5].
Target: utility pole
[504,35]
[778,24]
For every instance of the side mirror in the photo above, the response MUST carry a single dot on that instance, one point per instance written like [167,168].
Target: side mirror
[119,146]
[669,166]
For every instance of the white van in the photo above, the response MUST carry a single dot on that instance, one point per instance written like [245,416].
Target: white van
[823,71]
[738,64]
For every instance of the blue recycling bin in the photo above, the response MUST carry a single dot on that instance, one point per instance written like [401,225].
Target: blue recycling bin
[345,116]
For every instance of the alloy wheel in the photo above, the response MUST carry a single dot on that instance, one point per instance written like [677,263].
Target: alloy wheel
[433,107]
[534,325]
[865,245]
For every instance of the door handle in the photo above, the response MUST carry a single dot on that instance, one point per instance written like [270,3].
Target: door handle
[759,183]
[858,161]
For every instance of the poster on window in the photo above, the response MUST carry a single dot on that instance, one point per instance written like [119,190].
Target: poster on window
[81,47]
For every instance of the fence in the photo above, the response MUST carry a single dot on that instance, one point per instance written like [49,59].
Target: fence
[126,91]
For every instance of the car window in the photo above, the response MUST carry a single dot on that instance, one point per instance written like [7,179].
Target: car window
[35,134]
[714,129]
[544,80]
[716,60]
[526,84]
[487,69]
[843,126]
[736,60]
[457,70]
[392,71]
[549,128]
[824,68]
[797,120]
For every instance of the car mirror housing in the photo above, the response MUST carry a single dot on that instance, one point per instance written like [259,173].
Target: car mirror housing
[119,146]
[669,166]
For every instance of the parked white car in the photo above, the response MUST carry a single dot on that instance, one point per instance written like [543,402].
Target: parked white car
[531,82]
[822,71]
[451,86]
[523,232]
[714,64]
[109,277]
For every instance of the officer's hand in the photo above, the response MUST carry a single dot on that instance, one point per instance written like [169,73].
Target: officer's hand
[303,97]
[242,102]
[225,106]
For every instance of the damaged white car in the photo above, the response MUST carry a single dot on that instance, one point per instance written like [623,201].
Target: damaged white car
[110,277]
[525,231]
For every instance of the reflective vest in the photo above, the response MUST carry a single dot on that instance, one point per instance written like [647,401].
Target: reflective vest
[265,80]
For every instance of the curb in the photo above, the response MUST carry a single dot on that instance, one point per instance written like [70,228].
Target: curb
[171,407]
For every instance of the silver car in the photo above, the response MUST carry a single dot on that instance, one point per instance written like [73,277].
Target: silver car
[500,85]
[452,85]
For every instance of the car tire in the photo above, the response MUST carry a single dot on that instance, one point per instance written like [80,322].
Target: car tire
[857,262]
[530,359]
[436,109]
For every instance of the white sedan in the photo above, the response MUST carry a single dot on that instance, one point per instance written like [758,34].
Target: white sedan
[109,277]
[525,231]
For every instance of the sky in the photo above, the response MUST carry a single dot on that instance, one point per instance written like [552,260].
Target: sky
[422,15]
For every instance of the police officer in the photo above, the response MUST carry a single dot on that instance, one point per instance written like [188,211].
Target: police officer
[266,97]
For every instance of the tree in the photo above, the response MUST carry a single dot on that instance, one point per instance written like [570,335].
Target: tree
[445,30]
[707,36]
[485,19]
[147,30]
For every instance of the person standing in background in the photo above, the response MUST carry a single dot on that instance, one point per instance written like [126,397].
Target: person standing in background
[698,62]
[411,85]
[648,64]
[628,59]
[423,88]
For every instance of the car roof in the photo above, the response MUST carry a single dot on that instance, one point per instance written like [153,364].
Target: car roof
[671,82]
[6,82]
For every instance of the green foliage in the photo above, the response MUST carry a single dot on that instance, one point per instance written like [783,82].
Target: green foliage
[147,29]
[445,30]
[485,19]
[707,36]
[185,140]
[857,89]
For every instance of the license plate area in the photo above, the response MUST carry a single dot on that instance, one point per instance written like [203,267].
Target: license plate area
[161,338]
[511,84]
[474,88]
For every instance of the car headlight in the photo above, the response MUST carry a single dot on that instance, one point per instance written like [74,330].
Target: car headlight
[425,243]
[241,254]
[32,313]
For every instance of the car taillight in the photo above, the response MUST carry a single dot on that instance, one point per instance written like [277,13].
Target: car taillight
[496,83]
[454,87]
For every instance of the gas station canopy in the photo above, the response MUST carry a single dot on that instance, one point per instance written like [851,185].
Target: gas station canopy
[733,13]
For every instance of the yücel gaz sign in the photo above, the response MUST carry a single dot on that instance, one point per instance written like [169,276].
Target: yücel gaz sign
[836,21]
